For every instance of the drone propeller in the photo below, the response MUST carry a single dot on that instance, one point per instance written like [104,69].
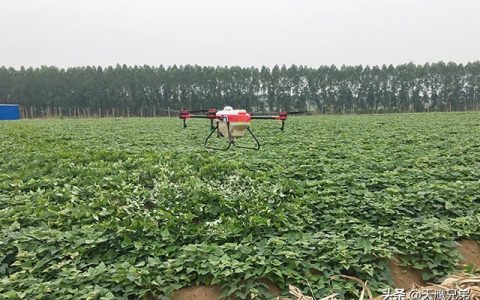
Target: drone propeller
[277,113]
[198,111]
[297,112]
[189,111]
[173,111]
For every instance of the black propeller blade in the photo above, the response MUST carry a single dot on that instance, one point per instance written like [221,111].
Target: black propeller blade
[169,110]
[189,111]
[297,112]
[198,111]
[276,113]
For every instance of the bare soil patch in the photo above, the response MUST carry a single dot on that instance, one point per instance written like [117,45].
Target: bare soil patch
[197,293]
[405,277]
[470,252]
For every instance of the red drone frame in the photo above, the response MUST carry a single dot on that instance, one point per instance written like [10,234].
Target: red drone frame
[232,124]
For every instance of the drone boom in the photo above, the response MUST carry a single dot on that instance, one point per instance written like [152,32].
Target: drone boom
[282,116]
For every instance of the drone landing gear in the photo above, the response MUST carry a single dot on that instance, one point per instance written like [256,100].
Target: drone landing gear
[257,143]
[230,140]
[215,129]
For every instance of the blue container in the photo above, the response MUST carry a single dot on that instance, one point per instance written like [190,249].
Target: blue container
[9,111]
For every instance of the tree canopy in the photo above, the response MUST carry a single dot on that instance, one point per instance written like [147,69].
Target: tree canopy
[151,91]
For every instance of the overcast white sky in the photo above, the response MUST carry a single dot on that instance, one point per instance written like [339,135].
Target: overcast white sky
[243,32]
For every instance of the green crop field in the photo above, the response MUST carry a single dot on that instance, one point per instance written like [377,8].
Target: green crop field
[136,208]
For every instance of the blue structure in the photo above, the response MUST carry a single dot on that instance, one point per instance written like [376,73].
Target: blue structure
[9,111]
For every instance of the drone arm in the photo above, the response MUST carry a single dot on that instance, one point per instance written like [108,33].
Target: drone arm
[197,117]
[265,117]
[282,116]
[211,115]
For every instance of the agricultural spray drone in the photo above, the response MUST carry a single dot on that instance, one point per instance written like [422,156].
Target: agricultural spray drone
[232,124]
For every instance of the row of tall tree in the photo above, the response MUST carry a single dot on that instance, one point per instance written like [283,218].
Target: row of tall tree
[152,91]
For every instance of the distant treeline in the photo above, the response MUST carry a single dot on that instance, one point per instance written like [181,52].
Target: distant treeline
[153,91]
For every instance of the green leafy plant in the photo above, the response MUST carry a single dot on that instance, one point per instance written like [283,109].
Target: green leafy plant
[132,208]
